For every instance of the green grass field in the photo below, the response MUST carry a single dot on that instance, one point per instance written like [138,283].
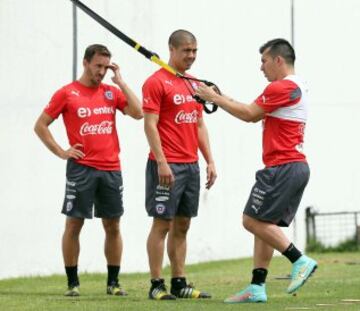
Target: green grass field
[335,283]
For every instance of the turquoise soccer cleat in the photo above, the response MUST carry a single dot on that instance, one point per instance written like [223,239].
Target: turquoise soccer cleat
[252,293]
[302,269]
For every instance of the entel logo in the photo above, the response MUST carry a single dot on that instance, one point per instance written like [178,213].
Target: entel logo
[84,112]
[182,99]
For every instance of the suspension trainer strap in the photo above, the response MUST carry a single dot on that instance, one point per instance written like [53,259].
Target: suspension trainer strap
[148,54]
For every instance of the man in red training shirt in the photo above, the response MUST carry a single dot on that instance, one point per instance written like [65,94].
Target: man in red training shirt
[276,195]
[93,173]
[175,131]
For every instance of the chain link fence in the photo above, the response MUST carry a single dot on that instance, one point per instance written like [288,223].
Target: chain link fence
[332,229]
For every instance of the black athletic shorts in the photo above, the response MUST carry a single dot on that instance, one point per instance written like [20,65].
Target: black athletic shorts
[183,197]
[87,187]
[277,193]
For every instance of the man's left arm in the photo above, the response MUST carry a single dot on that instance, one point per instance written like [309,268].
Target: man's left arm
[133,107]
[204,145]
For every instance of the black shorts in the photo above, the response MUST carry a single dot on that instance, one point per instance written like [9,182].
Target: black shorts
[183,197]
[87,187]
[277,193]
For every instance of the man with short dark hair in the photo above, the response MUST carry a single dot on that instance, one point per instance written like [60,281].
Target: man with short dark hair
[93,174]
[276,195]
[175,131]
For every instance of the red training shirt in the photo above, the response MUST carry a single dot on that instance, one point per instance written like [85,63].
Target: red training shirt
[89,118]
[285,103]
[171,98]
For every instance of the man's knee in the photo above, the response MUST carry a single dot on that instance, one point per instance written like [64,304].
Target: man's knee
[161,226]
[73,226]
[181,225]
[111,226]
[248,223]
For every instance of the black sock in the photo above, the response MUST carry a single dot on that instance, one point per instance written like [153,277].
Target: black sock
[178,283]
[113,273]
[72,276]
[156,282]
[259,276]
[292,253]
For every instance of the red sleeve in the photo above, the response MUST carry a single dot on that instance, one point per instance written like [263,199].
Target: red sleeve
[278,94]
[121,101]
[152,95]
[57,104]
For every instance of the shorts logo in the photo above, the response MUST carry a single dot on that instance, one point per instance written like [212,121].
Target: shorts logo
[69,206]
[160,208]
[257,202]
[162,198]
[256,209]
[109,95]
[70,183]
[162,193]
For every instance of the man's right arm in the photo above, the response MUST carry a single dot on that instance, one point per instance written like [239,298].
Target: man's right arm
[245,112]
[166,177]
[42,130]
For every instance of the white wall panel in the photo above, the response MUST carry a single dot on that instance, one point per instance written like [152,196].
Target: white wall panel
[36,59]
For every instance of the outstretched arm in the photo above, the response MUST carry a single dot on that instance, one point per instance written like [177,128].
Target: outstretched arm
[247,113]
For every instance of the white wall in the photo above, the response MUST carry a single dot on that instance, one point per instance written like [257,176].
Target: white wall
[36,59]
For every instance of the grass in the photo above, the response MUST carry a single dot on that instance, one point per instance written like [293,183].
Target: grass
[337,278]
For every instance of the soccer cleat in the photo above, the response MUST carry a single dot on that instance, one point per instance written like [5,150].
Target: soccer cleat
[159,292]
[189,292]
[252,293]
[72,291]
[302,269]
[116,290]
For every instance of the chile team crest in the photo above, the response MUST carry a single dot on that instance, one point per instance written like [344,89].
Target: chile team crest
[109,95]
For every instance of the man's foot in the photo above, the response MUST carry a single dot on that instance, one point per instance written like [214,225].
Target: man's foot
[158,291]
[252,293]
[72,291]
[189,292]
[302,269]
[116,290]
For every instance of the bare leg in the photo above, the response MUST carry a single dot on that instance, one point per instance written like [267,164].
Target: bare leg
[70,241]
[176,245]
[269,233]
[262,254]
[113,242]
[155,245]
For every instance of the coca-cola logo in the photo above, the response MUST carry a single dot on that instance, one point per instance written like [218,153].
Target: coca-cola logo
[103,128]
[186,117]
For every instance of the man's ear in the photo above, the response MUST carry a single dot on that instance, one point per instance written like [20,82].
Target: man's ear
[279,60]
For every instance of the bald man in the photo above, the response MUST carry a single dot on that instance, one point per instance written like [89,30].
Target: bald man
[175,131]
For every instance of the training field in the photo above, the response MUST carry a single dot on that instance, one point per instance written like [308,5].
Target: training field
[335,286]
